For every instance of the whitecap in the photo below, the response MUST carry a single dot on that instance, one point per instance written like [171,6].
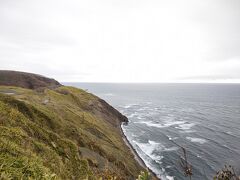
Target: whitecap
[170,177]
[159,125]
[129,105]
[171,149]
[187,131]
[172,123]
[186,126]
[146,152]
[139,117]
[151,124]
[197,140]
[187,110]
[172,138]
[145,108]
[123,128]
[199,156]
[132,115]
[149,148]
[153,142]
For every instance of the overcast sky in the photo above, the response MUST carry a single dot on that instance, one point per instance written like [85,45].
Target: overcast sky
[122,40]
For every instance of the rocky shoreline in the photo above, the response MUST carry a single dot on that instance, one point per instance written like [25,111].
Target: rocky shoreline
[136,156]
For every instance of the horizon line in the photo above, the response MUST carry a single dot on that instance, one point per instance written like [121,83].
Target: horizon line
[149,82]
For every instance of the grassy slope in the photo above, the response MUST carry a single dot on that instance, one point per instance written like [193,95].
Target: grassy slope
[65,133]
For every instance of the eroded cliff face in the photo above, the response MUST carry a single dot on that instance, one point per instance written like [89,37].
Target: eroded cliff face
[63,133]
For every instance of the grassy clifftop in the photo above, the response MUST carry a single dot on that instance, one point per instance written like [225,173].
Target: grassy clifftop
[61,133]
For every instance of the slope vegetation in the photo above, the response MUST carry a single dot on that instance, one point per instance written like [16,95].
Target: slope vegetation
[61,133]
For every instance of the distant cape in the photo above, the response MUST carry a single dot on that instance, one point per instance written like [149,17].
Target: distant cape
[26,80]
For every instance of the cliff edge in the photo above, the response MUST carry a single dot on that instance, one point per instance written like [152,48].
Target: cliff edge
[59,133]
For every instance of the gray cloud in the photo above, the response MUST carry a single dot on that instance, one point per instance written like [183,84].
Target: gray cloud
[212,77]
[121,41]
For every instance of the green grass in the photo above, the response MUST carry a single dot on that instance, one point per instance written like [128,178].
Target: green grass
[60,134]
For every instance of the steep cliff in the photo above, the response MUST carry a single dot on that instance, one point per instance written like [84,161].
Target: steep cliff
[60,133]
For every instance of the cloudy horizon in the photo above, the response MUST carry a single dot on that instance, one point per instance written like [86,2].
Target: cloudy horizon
[122,41]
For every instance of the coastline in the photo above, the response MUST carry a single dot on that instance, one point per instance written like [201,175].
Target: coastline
[136,155]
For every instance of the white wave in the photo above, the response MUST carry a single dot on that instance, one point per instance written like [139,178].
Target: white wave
[187,110]
[129,105]
[149,148]
[171,149]
[187,131]
[186,126]
[132,115]
[159,125]
[170,178]
[171,138]
[153,142]
[172,123]
[199,156]
[123,129]
[197,140]
[135,115]
[151,124]
[145,108]
[146,152]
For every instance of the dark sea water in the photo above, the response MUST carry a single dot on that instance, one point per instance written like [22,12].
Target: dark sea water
[203,118]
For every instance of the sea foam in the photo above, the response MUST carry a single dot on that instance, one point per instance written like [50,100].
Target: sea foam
[161,125]
[197,140]
[148,151]
[186,126]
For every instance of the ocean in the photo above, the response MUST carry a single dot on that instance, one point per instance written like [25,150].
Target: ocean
[202,118]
